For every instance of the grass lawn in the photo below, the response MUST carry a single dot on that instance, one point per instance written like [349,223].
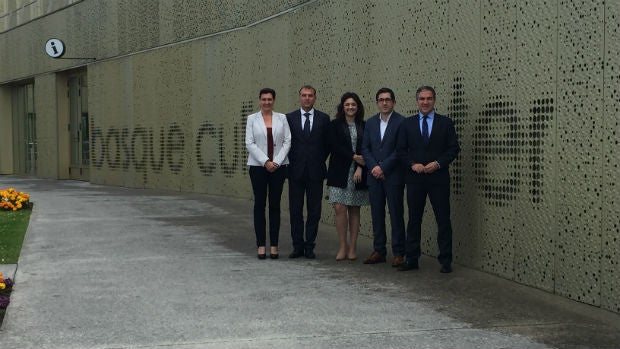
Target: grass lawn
[13,225]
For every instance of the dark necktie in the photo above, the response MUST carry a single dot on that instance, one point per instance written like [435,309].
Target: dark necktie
[307,125]
[425,128]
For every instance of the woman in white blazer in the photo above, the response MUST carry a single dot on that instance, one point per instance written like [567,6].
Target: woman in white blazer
[268,140]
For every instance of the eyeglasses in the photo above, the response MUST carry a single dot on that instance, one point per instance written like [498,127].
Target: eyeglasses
[384,100]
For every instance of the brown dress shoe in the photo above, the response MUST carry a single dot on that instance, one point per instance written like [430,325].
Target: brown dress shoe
[398,261]
[374,258]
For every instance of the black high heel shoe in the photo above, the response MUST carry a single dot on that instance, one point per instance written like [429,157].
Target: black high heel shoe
[261,255]
[274,255]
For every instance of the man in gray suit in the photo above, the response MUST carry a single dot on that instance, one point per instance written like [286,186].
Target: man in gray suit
[385,178]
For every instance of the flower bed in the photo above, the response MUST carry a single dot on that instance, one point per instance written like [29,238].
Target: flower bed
[5,289]
[13,200]
[6,285]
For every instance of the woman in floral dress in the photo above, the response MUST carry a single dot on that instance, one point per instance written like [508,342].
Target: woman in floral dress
[346,174]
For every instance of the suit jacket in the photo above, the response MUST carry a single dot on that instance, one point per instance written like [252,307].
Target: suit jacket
[383,152]
[341,155]
[256,139]
[443,147]
[307,155]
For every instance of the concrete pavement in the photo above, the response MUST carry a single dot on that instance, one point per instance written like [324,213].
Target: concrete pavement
[112,267]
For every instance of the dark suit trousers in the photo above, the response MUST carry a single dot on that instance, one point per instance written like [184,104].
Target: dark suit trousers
[380,192]
[439,195]
[266,184]
[313,191]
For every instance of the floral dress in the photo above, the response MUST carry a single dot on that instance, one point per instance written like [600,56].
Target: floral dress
[349,196]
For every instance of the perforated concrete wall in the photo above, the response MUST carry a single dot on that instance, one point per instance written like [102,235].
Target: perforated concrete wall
[532,88]
[609,193]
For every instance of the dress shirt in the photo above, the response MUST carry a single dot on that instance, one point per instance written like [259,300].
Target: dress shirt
[429,121]
[383,124]
[303,117]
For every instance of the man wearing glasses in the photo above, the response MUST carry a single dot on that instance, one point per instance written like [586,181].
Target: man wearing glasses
[385,178]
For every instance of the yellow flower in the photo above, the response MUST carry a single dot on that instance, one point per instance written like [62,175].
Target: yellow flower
[11,199]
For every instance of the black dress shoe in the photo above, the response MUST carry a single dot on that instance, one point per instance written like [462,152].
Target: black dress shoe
[310,254]
[446,268]
[296,254]
[408,266]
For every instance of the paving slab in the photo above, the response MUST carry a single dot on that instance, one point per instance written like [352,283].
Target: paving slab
[114,267]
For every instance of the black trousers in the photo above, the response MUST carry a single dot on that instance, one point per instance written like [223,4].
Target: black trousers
[313,191]
[380,193]
[439,195]
[267,184]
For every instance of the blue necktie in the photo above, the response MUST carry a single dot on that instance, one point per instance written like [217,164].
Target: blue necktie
[425,129]
[307,125]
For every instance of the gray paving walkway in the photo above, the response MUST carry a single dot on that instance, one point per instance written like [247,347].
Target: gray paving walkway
[111,267]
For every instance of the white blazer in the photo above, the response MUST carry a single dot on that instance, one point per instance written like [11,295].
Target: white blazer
[256,139]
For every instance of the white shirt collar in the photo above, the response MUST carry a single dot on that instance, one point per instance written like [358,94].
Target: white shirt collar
[386,120]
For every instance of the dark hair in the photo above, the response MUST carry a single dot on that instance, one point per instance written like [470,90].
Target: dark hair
[359,115]
[424,88]
[384,90]
[308,87]
[267,90]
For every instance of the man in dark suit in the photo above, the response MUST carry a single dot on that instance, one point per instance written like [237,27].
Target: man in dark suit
[307,170]
[428,143]
[385,178]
